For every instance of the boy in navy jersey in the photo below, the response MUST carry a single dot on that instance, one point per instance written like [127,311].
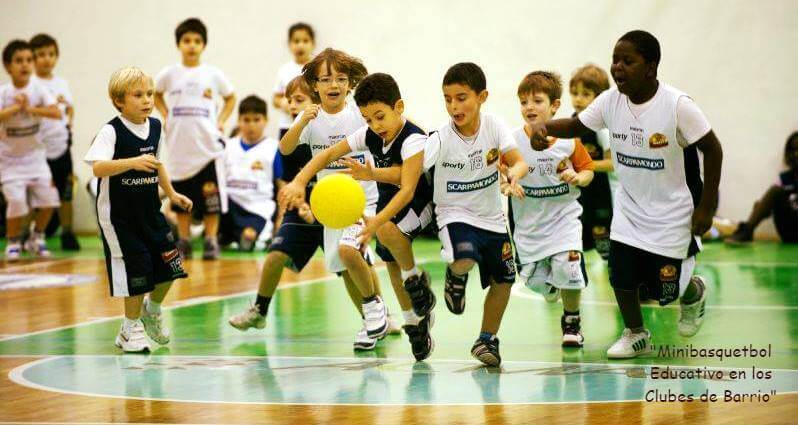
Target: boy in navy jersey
[140,253]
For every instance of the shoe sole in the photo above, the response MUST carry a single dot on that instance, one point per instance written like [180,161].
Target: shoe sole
[488,359]
[119,344]
[703,301]
[450,304]
[630,356]
[363,347]
[245,328]
[429,353]
[576,344]
[379,333]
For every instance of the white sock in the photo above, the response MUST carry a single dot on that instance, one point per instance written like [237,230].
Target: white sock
[412,272]
[152,307]
[411,318]
[127,323]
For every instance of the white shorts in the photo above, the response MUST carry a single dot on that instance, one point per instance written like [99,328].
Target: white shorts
[23,194]
[563,270]
[333,238]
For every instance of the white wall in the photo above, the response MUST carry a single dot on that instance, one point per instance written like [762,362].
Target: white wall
[737,58]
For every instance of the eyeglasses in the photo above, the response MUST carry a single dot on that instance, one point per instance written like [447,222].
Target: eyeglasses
[341,81]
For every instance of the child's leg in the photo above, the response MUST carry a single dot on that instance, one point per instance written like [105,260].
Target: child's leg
[398,244]
[353,292]
[211,222]
[41,219]
[763,208]
[395,274]
[14,227]
[358,270]
[133,307]
[462,266]
[495,304]
[159,293]
[570,300]
[183,225]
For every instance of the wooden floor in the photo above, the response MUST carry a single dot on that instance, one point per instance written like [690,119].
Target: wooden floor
[38,310]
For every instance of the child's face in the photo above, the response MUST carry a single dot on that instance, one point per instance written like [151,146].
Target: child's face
[21,66]
[191,46]
[581,97]
[384,120]
[463,103]
[332,86]
[537,108]
[301,45]
[629,69]
[298,101]
[251,126]
[138,102]
[45,59]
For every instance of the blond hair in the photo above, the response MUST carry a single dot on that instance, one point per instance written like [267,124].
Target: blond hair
[122,80]
[592,78]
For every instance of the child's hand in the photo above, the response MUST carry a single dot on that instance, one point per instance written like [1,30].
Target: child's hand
[357,170]
[146,162]
[22,100]
[311,112]
[181,201]
[512,188]
[368,231]
[702,220]
[62,100]
[220,126]
[292,195]
[538,133]
[305,213]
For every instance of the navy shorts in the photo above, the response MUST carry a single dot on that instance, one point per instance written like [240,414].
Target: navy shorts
[63,177]
[203,190]
[297,239]
[411,221]
[236,219]
[148,257]
[492,251]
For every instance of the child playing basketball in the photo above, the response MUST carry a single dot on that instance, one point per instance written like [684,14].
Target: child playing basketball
[662,206]
[466,153]
[545,223]
[392,141]
[140,253]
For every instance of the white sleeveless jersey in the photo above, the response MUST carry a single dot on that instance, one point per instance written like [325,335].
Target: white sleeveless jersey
[546,221]
[655,201]
[250,176]
[328,129]
[466,177]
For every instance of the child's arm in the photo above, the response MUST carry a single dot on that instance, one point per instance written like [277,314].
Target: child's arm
[227,109]
[582,173]
[713,158]
[294,193]
[160,105]
[145,162]
[604,165]
[8,112]
[166,184]
[366,172]
[291,138]
[48,111]
[278,216]
[517,169]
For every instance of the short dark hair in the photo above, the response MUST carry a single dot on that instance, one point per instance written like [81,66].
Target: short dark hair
[301,26]
[252,105]
[43,40]
[468,74]
[377,87]
[13,47]
[344,63]
[645,43]
[547,82]
[191,25]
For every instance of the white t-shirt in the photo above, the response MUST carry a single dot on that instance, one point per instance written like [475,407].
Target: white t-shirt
[546,221]
[55,134]
[250,176]
[285,74]
[603,139]
[104,144]
[466,178]
[654,204]
[192,137]
[22,153]
[328,129]
[412,145]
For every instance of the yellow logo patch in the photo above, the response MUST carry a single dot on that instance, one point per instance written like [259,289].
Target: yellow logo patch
[657,140]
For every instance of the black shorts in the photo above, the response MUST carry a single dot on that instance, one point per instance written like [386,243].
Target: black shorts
[141,256]
[411,221]
[785,216]
[492,251]
[63,177]
[203,190]
[297,239]
[595,226]
[236,219]
[663,278]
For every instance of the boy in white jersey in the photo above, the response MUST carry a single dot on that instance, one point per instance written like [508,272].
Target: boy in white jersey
[185,98]
[332,74]
[301,42]
[57,135]
[662,206]
[252,171]
[24,174]
[545,223]
[397,146]
[466,153]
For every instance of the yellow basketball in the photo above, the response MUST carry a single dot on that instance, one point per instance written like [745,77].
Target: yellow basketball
[337,201]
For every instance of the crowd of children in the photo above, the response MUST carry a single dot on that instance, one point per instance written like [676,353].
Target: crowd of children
[621,176]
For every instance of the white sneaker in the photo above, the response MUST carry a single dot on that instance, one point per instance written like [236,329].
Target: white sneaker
[153,325]
[363,342]
[551,294]
[393,326]
[13,251]
[131,339]
[631,345]
[376,318]
[692,315]
[37,247]
[249,318]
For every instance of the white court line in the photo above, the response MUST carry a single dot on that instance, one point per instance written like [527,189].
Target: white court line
[36,265]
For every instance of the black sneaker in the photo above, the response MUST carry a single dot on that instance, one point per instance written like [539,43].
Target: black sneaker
[184,246]
[421,296]
[454,292]
[571,331]
[742,236]
[69,242]
[487,351]
[420,339]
